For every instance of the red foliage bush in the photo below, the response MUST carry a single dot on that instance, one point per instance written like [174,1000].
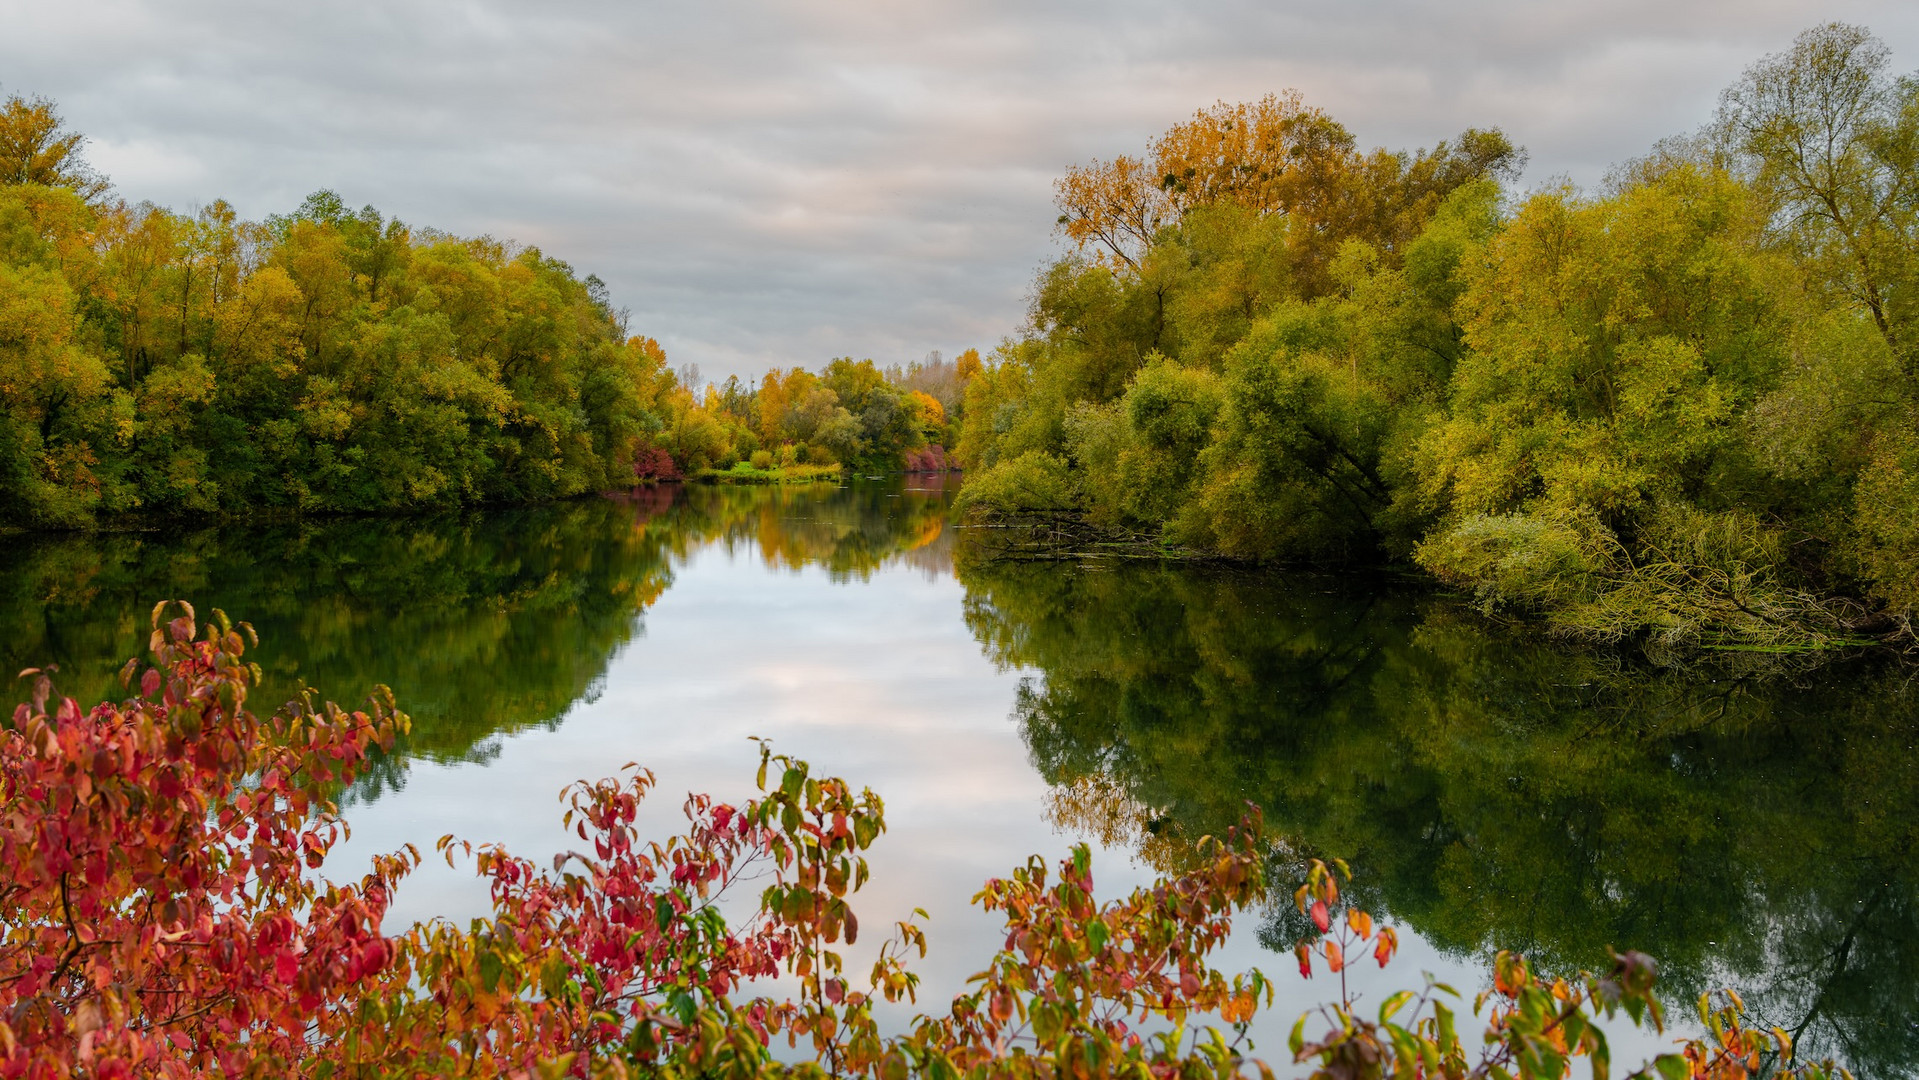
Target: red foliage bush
[927,459]
[653,464]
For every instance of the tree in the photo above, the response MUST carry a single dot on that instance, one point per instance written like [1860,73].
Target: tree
[1835,140]
[35,148]
[1275,156]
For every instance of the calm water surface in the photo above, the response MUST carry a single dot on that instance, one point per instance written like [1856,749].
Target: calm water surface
[1747,828]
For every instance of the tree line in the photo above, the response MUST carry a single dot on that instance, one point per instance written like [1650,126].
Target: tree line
[334,360]
[1682,407]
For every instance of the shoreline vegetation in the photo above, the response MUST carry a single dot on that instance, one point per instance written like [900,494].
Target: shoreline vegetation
[336,361]
[1678,411]
[746,472]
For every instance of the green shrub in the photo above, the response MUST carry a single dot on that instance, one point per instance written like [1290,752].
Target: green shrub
[1034,481]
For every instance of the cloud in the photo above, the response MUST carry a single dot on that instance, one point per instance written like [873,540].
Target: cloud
[782,181]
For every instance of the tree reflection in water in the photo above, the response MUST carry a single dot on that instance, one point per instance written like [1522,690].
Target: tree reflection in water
[1746,827]
[482,623]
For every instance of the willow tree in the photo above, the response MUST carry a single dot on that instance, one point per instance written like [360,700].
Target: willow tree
[1833,137]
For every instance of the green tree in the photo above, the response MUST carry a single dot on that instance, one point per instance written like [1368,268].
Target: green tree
[1834,139]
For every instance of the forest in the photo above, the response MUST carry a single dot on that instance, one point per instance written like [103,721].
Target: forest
[1680,408]
[339,361]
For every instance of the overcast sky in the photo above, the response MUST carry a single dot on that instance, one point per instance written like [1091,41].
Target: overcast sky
[777,181]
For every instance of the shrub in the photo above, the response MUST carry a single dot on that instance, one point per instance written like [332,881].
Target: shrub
[652,464]
[1032,481]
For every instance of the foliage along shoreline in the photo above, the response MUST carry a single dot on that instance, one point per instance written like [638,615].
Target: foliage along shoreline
[159,365]
[1681,410]
[170,917]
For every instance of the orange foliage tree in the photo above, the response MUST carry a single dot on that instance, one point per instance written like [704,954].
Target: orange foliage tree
[1277,155]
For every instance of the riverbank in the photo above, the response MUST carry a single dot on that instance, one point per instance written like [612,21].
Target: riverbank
[746,473]
[1667,611]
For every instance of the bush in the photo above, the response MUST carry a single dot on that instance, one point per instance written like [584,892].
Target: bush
[1033,481]
[1886,545]
[651,465]
[1699,578]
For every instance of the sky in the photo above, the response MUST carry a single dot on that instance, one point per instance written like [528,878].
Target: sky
[777,182]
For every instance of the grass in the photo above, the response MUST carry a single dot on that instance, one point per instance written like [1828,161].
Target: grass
[745,473]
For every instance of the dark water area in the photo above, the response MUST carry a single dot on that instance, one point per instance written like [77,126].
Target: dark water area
[1749,827]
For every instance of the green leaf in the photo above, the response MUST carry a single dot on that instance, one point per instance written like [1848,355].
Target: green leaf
[1097,934]
[1672,1067]
[1298,1038]
[1448,1038]
[682,1005]
[1393,1004]
[1406,1048]
[491,967]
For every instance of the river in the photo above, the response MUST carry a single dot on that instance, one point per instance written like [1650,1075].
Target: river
[1748,826]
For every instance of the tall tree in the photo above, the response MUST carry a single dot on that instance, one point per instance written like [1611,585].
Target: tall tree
[1834,138]
[36,148]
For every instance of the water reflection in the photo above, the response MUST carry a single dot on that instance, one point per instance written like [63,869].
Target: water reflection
[483,624]
[1489,790]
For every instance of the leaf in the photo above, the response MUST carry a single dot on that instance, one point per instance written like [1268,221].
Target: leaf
[491,967]
[1360,921]
[1672,1067]
[1097,935]
[1443,1020]
[1406,1047]
[1393,1004]
[1297,1039]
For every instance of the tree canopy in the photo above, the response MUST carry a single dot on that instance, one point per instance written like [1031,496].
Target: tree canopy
[1681,409]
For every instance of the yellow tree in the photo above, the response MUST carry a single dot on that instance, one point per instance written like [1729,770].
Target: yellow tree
[1275,156]
[142,246]
[772,405]
[35,148]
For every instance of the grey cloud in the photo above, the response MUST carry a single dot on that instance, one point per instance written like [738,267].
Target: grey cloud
[782,181]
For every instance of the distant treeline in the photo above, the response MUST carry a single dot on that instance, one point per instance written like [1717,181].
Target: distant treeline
[1682,407]
[338,360]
